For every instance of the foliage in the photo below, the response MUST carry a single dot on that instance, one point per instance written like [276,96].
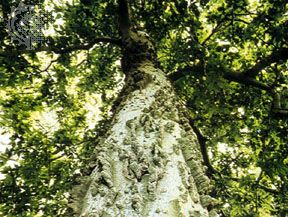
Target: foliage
[225,58]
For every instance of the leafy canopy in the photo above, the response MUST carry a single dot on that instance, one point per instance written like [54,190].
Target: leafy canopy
[227,60]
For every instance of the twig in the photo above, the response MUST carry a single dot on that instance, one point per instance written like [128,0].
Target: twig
[50,64]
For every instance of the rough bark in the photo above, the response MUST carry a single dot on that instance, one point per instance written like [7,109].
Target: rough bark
[148,163]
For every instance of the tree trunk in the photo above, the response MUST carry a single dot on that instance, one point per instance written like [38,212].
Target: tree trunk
[149,163]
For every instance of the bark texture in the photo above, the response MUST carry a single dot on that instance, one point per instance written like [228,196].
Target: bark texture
[149,163]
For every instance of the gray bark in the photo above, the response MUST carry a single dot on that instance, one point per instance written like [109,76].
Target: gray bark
[148,163]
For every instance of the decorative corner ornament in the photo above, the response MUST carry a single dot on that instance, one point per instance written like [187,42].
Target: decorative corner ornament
[25,25]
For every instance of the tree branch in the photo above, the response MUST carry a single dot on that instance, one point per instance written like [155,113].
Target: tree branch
[276,56]
[56,50]
[244,79]
[174,76]
[203,147]
[89,45]
[239,77]
[229,75]
[124,17]
[215,30]
[282,112]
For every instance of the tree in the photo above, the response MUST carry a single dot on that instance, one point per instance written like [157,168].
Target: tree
[227,66]
[149,165]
